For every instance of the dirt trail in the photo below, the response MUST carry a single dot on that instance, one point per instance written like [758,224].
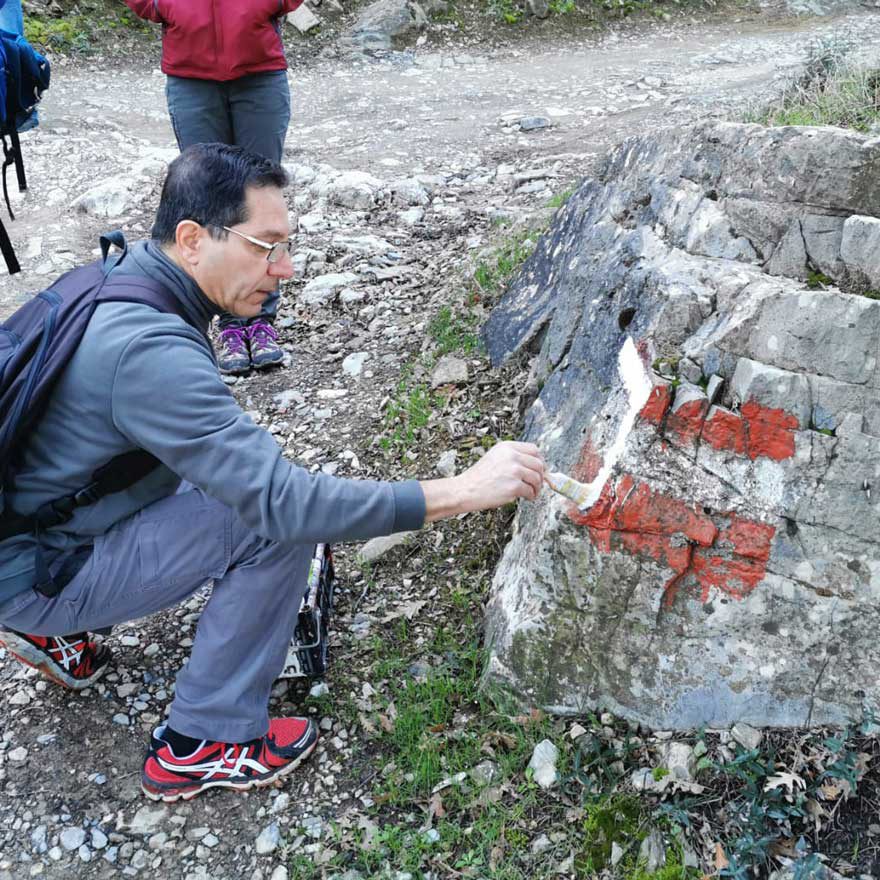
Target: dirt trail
[416,111]
[427,113]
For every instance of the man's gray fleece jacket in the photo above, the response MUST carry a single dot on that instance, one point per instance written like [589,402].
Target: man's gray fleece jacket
[142,379]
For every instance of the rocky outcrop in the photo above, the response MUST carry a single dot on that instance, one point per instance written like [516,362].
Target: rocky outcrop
[729,569]
[383,24]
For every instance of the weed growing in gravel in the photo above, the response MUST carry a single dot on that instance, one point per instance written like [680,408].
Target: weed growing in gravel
[494,273]
[558,200]
[832,90]
[507,11]
[454,332]
[406,415]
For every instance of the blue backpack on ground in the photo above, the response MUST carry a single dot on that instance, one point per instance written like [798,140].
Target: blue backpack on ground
[24,76]
[36,344]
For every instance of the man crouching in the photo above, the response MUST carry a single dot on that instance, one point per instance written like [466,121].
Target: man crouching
[222,504]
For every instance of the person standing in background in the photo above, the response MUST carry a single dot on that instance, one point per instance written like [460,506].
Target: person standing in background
[12,20]
[227,83]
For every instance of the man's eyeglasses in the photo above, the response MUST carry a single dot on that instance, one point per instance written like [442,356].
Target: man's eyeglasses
[274,251]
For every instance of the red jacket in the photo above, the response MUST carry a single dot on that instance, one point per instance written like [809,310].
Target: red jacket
[218,39]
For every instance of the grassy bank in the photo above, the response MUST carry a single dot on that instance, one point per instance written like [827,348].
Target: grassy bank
[833,89]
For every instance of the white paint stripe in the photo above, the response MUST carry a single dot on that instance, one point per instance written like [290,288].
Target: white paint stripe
[638,387]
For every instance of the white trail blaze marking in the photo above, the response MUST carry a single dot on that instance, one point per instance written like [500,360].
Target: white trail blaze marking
[638,389]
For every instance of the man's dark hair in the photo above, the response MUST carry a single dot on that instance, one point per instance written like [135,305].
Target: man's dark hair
[208,183]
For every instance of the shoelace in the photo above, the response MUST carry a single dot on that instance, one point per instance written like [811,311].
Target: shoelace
[261,333]
[234,340]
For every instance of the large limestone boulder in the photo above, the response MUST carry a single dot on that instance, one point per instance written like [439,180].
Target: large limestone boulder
[730,567]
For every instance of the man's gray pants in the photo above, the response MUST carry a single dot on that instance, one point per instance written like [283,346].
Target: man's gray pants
[159,557]
[251,112]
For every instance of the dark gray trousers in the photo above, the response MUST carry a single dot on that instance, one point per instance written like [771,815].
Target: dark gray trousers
[159,557]
[251,112]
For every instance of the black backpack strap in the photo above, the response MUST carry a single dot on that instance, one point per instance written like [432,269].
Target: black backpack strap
[8,159]
[139,289]
[8,252]
[17,157]
[118,474]
[108,240]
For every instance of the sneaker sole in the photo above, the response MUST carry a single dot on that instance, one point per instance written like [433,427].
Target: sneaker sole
[264,364]
[170,796]
[30,655]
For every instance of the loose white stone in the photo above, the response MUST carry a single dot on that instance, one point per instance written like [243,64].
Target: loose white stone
[354,363]
[746,735]
[147,820]
[543,763]
[268,839]
[72,838]
[445,465]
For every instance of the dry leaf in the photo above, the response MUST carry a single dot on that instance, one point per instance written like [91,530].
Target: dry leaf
[435,807]
[408,610]
[367,725]
[370,830]
[789,780]
[497,738]
[496,855]
[785,846]
[720,859]
[830,791]
[815,810]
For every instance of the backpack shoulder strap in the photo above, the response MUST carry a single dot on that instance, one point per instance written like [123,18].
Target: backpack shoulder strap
[12,264]
[147,291]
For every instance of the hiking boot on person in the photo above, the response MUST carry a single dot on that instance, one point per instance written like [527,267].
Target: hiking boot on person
[263,345]
[169,776]
[232,351]
[72,661]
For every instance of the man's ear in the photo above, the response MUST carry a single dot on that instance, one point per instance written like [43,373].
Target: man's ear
[188,238]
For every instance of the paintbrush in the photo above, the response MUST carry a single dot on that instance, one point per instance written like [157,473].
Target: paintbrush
[638,389]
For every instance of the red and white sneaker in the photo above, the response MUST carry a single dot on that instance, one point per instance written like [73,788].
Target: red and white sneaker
[71,661]
[169,777]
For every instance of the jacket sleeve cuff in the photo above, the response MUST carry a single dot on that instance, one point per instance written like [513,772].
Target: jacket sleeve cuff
[409,506]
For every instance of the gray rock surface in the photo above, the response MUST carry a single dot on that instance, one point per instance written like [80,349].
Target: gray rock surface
[385,23]
[727,571]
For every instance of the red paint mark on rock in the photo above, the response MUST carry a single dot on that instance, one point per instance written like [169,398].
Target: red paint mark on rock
[742,563]
[685,424]
[757,432]
[659,401]
[633,518]
[771,431]
[725,430]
